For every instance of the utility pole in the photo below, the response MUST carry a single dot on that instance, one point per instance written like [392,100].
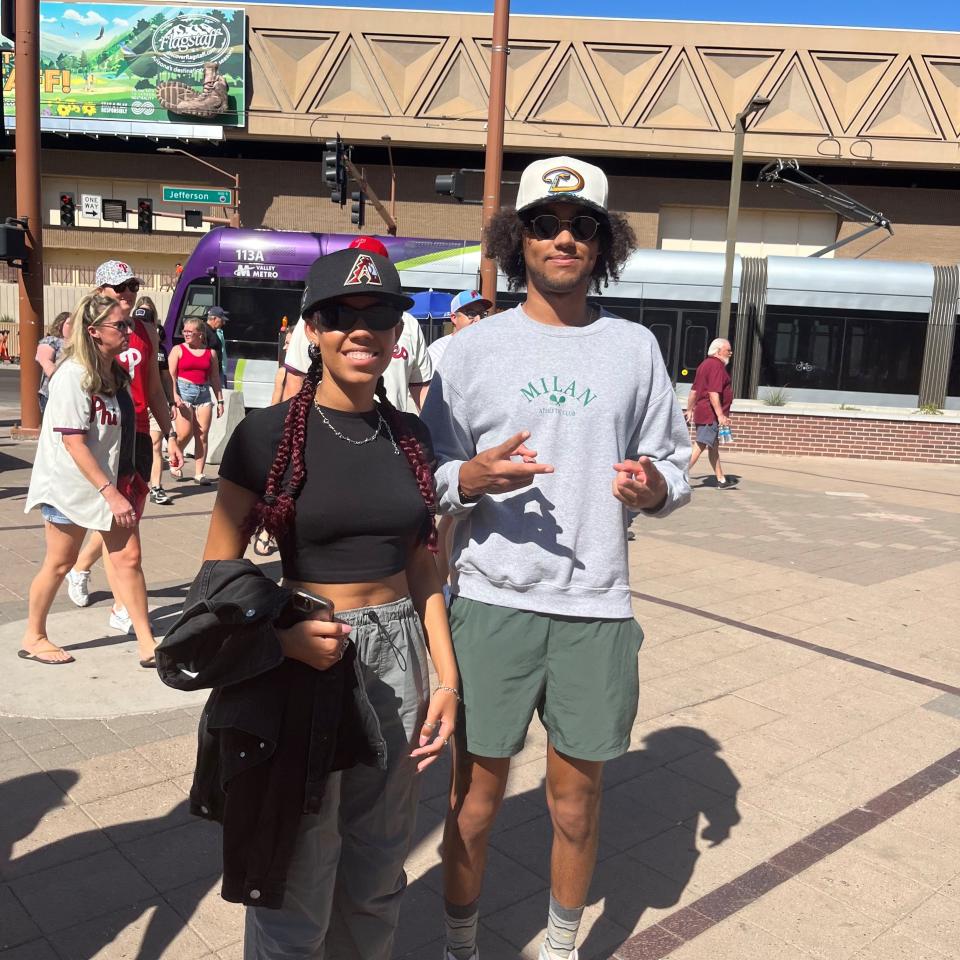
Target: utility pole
[493,166]
[733,211]
[27,60]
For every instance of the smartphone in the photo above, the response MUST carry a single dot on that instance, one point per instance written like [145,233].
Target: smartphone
[305,604]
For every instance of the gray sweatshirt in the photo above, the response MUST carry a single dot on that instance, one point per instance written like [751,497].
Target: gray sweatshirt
[590,397]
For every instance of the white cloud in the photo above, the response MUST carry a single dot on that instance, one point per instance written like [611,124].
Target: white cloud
[120,22]
[44,19]
[89,19]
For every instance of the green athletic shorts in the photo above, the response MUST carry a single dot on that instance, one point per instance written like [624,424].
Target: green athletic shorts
[580,674]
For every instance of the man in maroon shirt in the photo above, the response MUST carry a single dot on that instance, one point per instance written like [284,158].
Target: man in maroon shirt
[708,406]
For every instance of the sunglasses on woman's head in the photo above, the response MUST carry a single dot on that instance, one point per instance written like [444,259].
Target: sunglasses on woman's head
[545,226]
[338,316]
[132,285]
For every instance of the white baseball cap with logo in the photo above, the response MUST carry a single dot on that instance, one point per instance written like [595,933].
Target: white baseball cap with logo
[562,179]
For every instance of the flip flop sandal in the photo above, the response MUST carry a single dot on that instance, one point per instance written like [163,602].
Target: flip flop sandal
[264,546]
[26,655]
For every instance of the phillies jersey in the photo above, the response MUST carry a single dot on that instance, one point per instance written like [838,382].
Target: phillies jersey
[134,360]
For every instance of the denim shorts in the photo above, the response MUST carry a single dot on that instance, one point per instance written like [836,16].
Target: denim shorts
[53,515]
[194,394]
[708,433]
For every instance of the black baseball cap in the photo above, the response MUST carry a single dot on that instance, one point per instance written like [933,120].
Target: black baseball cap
[350,273]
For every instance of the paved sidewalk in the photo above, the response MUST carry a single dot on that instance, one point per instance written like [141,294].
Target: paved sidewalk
[792,789]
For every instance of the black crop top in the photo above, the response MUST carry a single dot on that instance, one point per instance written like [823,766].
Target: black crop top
[360,511]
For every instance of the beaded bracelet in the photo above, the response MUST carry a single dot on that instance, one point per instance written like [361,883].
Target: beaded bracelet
[446,689]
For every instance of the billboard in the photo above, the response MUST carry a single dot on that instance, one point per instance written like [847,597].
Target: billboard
[129,68]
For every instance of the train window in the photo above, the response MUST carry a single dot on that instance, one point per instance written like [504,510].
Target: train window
[200,297]
[256,310]
[662,324]
[695,343]
[953,382]
[883,356]
[842,350]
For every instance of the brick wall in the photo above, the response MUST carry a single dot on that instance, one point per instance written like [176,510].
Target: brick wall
[924,441]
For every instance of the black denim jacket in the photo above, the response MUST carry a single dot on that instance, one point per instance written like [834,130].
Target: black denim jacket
[272,729]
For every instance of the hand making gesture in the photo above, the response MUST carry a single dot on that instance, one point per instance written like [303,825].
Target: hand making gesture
[495,470]
[639,485]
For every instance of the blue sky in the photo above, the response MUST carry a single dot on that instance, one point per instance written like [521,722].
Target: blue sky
[917,15]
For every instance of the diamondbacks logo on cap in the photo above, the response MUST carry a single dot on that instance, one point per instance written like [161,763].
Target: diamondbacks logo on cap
[563,180]
[364,271]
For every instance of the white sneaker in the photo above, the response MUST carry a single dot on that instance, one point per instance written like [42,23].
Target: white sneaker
[545,956]
[120,620]
[78,587]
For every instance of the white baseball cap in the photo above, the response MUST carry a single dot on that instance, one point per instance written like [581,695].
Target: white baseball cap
[562,178]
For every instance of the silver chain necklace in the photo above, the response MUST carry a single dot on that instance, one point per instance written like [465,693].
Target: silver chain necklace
[381,425]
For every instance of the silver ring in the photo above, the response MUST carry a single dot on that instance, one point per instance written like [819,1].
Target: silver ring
[429,725]
[444,740]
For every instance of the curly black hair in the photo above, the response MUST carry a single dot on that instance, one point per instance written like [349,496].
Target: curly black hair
[503,242]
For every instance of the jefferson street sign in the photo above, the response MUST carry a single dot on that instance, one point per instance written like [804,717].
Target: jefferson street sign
[197,195]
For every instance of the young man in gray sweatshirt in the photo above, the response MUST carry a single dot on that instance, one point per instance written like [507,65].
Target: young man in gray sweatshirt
[553,423]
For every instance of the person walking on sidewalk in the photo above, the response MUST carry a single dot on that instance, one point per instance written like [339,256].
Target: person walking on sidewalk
[541,614]
[196,384]
[48,353]
[342,481]
[84,475]
[146,310]
[116,279]
[216,339]
[708,406]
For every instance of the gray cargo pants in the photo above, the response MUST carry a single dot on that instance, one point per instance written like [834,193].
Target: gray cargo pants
[346,876]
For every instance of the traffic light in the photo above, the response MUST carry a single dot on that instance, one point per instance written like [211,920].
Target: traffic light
[335,169]
[145,215]
[452,184]
[193,218]
[68,210]
[358,208]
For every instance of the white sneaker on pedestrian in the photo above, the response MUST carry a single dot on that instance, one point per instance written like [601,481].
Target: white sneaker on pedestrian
[120,620]
[78,587]
[546,956]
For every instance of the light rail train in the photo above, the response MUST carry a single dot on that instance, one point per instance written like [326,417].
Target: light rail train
[867,332]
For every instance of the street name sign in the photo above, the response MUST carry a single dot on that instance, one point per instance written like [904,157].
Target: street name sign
[198,195]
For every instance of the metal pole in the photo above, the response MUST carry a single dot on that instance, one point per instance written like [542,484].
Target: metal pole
[733,211]
[27,60]
[235,217]
[493,167]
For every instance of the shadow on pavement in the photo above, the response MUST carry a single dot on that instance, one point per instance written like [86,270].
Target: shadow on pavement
[26,800]
[664,810]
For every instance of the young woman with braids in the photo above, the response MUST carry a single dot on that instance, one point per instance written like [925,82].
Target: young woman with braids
[343,482]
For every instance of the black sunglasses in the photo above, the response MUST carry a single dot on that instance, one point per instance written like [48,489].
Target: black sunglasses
[118,325]
[546,226]
[338,316]
[132,285]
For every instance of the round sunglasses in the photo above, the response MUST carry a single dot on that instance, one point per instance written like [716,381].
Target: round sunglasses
[340,317]
[546,226]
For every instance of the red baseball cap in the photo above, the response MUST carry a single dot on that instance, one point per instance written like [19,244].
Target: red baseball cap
[370,244]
